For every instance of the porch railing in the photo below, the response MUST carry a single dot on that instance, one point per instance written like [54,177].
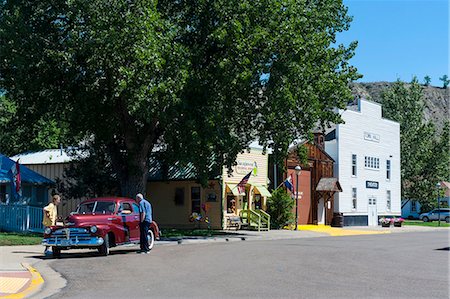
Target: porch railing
[265,218]
[255,219]
[21,218]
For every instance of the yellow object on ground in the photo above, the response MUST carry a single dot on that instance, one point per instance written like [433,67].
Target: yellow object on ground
[19,284]
[339,231]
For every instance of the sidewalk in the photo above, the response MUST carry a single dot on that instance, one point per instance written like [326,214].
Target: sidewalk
[19,279]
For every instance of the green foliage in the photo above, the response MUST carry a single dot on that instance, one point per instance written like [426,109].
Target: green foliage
[445,81]
[182,76]
[280,208]
[427,80]
[90,176]
[424,159]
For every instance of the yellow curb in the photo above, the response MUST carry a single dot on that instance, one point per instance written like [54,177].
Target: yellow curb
[336,232]
[36,281]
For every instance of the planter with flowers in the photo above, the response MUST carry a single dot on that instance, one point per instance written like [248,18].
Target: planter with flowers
[398,222]
[385,222]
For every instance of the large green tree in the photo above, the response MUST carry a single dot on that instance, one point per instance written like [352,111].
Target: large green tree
[424,159]
[181,77]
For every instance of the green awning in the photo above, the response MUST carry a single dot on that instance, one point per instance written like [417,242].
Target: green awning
[234,189]
[263,190]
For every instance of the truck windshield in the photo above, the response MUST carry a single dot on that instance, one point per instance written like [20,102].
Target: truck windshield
[100,207]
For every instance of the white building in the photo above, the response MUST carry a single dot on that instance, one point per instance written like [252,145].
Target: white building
[366,149]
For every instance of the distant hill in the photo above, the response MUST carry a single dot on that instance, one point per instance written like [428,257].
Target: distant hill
[436,99]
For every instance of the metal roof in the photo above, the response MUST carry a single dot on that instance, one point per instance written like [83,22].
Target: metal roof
[27,175]
[158,171]
[48,156]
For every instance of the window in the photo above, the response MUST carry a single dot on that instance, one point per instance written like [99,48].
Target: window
[353,165]
[413,206]
[353,198]
[179,196]
[195,198]
[388,200]
[105,207]
[124,206]
[372,163]
[3,193]
[388,169]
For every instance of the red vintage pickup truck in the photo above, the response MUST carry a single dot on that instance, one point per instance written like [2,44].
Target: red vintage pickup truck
[99,223]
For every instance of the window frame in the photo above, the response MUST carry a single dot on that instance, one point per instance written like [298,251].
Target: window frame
[372,163]
[388,200]
[354,198]
[388,170]
[194,200]
[354,165]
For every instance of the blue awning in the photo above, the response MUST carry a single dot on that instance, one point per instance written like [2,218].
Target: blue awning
[27,175]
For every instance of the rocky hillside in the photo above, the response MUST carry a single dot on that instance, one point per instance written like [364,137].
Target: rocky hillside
[436,99]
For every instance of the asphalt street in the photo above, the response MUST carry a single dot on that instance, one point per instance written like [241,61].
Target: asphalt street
[410,265]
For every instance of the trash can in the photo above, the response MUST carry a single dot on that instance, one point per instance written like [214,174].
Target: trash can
[338,220]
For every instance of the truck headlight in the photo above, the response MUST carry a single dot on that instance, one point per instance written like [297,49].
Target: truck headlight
[47,231]
[93,229]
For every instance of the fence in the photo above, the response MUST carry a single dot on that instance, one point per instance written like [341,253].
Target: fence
[21,218]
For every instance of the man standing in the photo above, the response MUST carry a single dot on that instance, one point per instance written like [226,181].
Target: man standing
[50,215]
[145,212]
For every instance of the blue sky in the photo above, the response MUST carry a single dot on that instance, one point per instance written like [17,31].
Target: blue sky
[399,39]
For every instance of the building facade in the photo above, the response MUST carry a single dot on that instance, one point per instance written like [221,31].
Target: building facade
[51,164]
[366,150]
[179,200]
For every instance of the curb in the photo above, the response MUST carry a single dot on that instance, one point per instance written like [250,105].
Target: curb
[35,283]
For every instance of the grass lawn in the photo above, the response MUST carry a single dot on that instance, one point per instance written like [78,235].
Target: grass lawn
[421,223]
[171,233]
[8,239]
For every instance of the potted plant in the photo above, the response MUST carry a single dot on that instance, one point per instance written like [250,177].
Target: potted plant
[398,222]
[385,222]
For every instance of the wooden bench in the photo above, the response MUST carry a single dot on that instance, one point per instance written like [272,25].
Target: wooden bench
[233,221]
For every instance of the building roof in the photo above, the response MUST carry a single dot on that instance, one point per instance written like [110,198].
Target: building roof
[27,175]
[446,187]
[329,184]
[48,156]
[159,171]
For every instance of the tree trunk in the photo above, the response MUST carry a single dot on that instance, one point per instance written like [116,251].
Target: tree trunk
[131,165]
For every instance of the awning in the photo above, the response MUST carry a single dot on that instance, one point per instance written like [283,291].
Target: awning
[234,189]
[329,184]
[263,190]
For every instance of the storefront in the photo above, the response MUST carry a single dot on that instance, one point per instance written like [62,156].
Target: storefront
[247,203]
[180,201]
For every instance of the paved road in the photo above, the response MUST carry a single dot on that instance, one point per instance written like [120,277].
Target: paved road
[411,265]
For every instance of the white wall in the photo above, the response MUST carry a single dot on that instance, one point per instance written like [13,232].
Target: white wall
[384,143]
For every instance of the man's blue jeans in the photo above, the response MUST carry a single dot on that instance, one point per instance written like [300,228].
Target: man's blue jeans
[144,226]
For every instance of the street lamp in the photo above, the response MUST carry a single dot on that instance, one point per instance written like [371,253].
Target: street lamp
[298,169]
[438,186]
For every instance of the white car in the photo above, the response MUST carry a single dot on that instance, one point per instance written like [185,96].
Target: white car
[434,215]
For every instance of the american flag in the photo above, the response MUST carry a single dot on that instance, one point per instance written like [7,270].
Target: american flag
[243,182]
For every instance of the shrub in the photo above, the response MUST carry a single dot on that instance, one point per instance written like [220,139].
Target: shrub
[280,207]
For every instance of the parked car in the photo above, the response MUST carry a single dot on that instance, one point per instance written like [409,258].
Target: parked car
[99,223]
[434,215]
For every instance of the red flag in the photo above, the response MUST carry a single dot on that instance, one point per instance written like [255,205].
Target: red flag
[18,178]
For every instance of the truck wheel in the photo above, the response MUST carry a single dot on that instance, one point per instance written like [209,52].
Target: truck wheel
[56,252]
[151,239]
[104,248]
[447,219]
